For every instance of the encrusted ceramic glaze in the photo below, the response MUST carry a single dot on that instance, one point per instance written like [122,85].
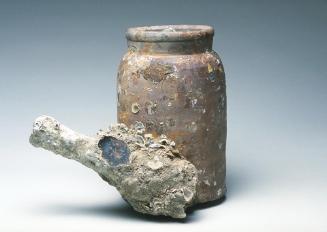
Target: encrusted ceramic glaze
[172,81]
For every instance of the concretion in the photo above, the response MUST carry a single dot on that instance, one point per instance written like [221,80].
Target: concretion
[150,173]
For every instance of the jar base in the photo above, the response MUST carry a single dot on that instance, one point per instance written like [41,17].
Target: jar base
[211,196]
[207,204]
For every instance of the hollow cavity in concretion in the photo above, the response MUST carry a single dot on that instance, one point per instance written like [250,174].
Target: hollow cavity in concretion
[168,33]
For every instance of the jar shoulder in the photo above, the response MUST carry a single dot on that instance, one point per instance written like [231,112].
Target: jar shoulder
[134,60]
[204,70]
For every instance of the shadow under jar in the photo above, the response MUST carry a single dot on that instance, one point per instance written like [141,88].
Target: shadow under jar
[172,81]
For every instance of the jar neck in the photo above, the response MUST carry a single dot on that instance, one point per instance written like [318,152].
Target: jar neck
[199,45]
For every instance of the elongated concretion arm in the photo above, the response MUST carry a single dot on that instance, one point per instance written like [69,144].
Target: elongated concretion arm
[149,173]
[49,134]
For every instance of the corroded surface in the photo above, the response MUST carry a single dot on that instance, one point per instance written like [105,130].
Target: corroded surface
[177,87]
[149,173]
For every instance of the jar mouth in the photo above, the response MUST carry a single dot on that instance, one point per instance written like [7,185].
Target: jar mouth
[166,33]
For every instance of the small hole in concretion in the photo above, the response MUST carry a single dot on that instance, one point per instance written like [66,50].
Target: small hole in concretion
[115,151]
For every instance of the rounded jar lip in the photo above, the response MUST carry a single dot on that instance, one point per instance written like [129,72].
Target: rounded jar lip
[166,33]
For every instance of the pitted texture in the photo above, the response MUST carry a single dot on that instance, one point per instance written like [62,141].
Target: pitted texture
[149,173]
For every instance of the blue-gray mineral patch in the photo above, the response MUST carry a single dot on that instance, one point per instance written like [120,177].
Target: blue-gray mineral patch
[115,151]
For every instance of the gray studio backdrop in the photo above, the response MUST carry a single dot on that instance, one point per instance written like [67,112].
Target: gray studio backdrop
[60,58]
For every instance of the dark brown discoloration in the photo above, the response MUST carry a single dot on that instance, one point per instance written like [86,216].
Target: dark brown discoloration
[157,72]
[178,83]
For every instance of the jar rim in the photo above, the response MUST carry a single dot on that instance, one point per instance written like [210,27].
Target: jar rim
[166,33]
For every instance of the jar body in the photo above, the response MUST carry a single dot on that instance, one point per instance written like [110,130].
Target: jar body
[184,97]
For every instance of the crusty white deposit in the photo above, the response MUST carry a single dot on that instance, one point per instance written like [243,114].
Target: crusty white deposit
[149,173]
